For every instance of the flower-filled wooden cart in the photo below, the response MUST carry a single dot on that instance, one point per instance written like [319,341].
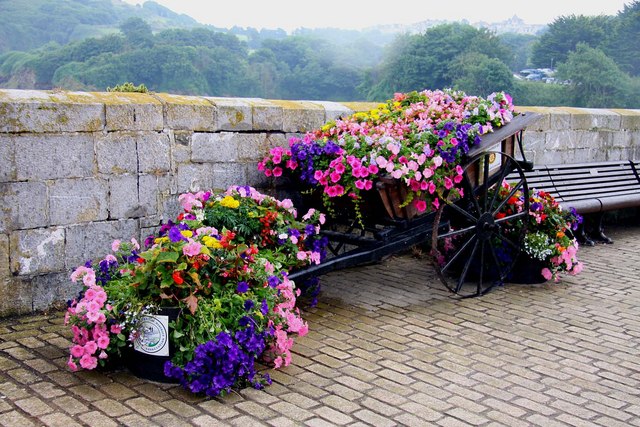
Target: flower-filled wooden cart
[390,226]
[424,167]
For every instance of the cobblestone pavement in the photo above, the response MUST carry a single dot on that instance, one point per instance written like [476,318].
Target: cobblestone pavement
[387,347]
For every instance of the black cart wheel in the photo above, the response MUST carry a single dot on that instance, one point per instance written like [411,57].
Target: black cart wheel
[473,246]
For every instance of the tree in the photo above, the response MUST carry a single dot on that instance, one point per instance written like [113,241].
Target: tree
[477,74]
[137,32]
[520,45]
[565,33]
[624,46]
[596,80]
[423,61]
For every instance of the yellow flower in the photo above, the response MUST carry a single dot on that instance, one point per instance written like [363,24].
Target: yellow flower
[211,242]
[229,202]
[159,240]
[187,233]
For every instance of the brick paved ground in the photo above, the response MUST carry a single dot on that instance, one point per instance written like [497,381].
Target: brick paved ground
[387,347]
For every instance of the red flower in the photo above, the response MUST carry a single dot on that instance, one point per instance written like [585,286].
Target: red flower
[177,277]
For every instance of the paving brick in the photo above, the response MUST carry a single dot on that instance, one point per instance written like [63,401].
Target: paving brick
[373,418]
[341,404]
[333,416]
[97,419]
[58,419]
[145,406]
[14,418]
[34,406]
[111,407]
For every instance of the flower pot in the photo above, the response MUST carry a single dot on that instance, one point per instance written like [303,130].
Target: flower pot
[527,270]
[154,347]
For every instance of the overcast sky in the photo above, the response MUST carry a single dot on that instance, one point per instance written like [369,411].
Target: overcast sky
[357,14]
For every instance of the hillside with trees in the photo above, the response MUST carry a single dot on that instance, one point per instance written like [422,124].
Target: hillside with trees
[587,61]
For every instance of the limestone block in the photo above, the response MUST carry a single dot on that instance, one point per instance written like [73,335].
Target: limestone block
[50,111]
[17,296]
[622,139]
[194,177]
[227,146]
[300,116]
[123,198]
[180,146]
[132,111]
[5,272]
[53,289]
[188,112]
[225,175]
[233,114]
[533,140]
[615,153]
[154,153]
[7,159]
[256,178]
[591,118]
[277,139]
[604,139]
[333,110]
[116,153]
[37,251]
[151,190]
[40,157]
[23,205]
[266,115]
[630,119]
[78,200]
[93,240]
[544,120]
[361,106]
[214,147]
[560,140]
[251,146]
[170,209]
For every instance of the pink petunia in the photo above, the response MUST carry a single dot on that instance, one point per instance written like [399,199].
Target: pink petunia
[103,342]
[546,273]
[115,246]
[88,362]
[72,365]
[421,205]
[77,351]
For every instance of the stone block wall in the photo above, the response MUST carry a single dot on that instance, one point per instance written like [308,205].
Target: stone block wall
[78,170]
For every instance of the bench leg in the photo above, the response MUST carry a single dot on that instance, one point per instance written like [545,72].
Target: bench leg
[582,237]
[598,230]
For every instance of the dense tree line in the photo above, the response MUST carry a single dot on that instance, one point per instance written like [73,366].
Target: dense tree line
[597,60]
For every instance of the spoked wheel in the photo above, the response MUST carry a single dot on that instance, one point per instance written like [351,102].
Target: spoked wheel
[473,245]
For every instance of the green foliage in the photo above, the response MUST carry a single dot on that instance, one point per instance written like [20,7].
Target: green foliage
[565,33]
[477,73]
[596,80]
[424,61]
[31,24]
[540,94]
[128,87]
[623,47]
